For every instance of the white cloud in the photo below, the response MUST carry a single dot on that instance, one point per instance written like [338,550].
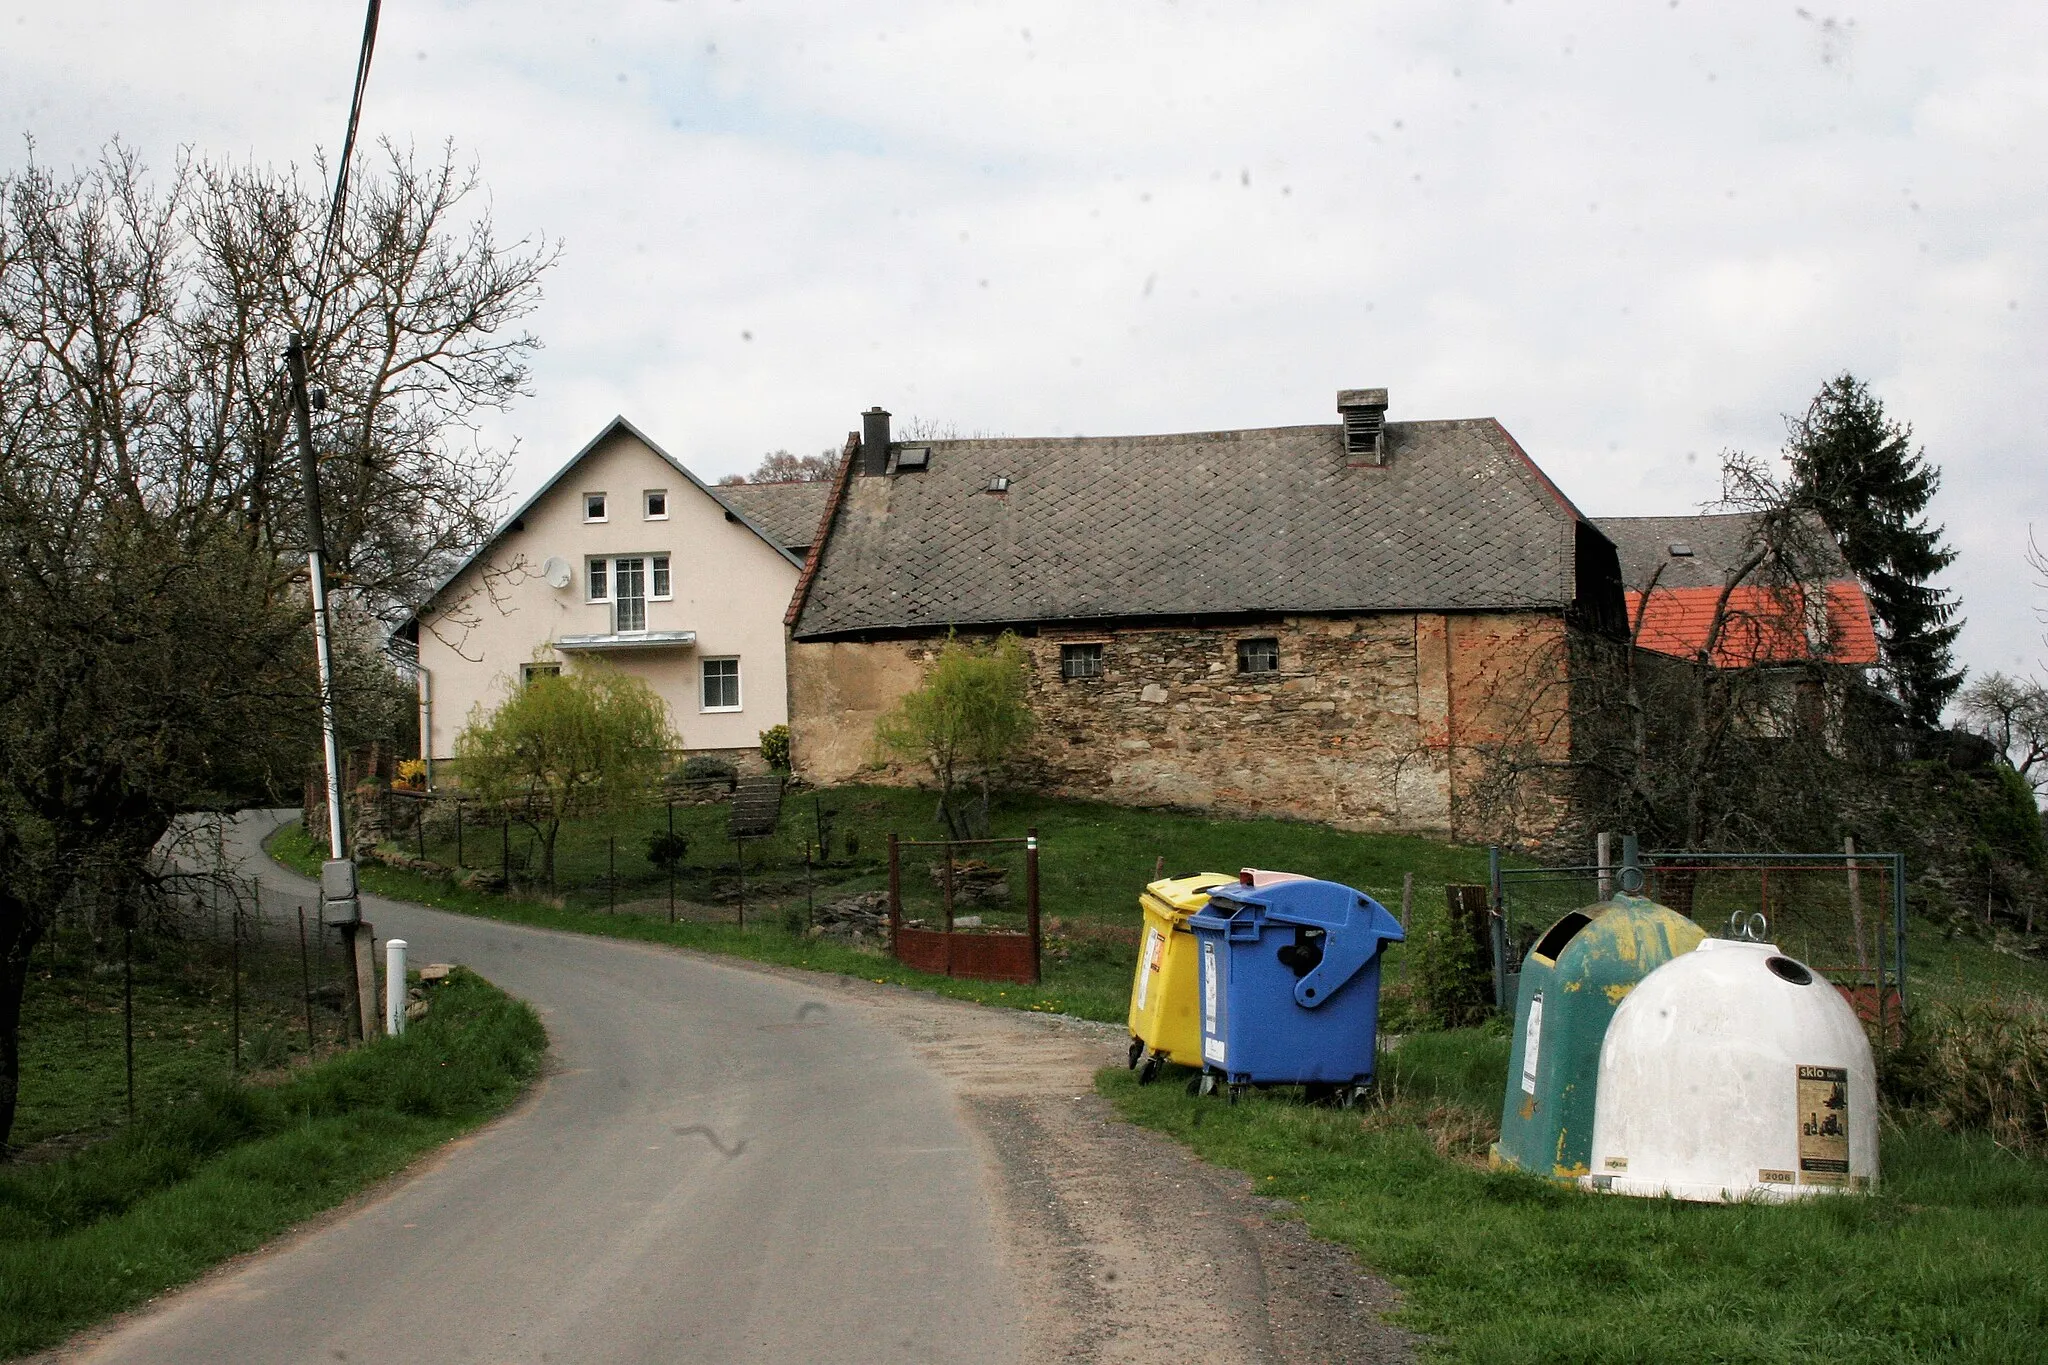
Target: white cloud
[1638,234]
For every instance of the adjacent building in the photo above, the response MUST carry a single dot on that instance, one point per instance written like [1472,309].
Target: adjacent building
[626,558]
[1347,621]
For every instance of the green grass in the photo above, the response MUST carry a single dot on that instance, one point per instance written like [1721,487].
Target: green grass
[1948,1262]
[74,1076]
[208,1178]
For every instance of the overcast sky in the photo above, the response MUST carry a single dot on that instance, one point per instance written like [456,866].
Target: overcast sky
[1638,232]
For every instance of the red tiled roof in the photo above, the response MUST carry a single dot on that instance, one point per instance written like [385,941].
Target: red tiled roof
[1763,626]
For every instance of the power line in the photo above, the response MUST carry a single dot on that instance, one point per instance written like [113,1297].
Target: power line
[338,205]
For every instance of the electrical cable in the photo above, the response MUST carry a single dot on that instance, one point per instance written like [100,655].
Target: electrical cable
[338,205]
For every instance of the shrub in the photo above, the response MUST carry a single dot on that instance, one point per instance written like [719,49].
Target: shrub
[667,851]
[709,767]
[775,747]
[1980,1066]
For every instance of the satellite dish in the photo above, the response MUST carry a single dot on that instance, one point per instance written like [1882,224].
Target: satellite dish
[557,572]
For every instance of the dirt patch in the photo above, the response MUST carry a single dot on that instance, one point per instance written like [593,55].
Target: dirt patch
[1126,1247]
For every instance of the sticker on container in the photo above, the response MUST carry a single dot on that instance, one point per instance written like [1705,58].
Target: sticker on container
[1155,949]
[1823,1125]
[1530,1039]
[1209,987]
[1212,1050]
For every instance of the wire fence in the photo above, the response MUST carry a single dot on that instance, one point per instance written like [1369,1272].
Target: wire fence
[138,1003]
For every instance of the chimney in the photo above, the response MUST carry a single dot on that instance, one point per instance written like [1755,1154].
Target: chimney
[874,442]
[1365,423]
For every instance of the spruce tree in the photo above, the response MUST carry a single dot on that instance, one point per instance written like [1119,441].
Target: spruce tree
[1856,468]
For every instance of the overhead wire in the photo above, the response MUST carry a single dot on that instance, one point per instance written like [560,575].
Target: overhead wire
[338,206]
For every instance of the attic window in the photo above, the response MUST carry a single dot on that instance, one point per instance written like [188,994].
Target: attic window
[657,504]
[912,457]
[593,507]
[1681,549]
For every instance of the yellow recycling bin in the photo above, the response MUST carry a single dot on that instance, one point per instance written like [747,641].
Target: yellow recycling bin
[1166,1018]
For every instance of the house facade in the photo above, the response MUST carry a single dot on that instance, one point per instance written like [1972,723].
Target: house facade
[624,559]
[1345,622]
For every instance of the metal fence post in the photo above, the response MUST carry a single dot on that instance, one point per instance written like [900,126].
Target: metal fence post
[458,832]
[1497,927]
[235,987]
[671,860]
[306,981]
[1031,899]
[1899,926]
[611,873]
[895,893]
[505,850]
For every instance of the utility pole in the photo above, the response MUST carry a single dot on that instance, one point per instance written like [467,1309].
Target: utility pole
[338,873]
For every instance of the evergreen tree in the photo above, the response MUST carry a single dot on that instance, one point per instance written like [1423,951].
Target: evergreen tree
[1856,468]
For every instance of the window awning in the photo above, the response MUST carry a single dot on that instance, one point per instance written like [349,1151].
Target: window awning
[643,639]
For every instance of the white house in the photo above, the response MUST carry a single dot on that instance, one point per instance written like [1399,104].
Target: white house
[627,557]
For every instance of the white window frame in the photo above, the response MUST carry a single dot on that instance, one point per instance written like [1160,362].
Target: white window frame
[647,511]
[604,507]
[610,566]
[703,676]
[658,571]
[538,668]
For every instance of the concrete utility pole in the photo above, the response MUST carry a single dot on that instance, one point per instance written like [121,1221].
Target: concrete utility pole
[338,875]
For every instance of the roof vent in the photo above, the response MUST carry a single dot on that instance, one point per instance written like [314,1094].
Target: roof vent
[1365,423]
[1681,549]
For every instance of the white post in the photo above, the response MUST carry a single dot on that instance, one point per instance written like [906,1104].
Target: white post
[394,986]
[1603,857]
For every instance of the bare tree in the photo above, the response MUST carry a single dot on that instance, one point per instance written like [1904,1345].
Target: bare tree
[2013,714]
[782,467]
[154,651]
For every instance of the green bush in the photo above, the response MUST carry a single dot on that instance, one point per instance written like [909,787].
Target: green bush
[667,851]
[706,767]
[775,747]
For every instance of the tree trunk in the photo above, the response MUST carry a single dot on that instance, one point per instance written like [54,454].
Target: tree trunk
[13,983]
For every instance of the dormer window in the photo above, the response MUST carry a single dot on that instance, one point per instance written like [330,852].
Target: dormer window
[657,504]
[593,507]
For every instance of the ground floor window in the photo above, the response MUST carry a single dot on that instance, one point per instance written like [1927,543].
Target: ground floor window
[1080,661]
[721,684]
[528,672]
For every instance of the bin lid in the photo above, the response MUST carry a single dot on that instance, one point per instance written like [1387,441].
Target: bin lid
[1187,894]
[1355,926]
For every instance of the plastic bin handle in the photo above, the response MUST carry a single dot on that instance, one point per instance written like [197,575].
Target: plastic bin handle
[1344,956]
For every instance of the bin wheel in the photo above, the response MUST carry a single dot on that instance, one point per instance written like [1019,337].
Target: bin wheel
[1237,1091]
[1320,1092]
[1149,1072]
[1137,1053]
[1350,1096]
[1204,1084]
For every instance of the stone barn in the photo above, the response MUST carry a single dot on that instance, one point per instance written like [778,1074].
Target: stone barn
[1346,622]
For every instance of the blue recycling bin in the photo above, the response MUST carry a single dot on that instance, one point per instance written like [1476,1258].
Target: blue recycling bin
[1290,985]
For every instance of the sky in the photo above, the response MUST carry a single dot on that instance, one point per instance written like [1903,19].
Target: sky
[1639,232]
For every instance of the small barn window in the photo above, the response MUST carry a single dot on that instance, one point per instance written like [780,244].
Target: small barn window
[1258,656]
[593,507]
[1080,661]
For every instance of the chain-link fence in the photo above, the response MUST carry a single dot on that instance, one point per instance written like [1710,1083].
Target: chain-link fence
[1843,914]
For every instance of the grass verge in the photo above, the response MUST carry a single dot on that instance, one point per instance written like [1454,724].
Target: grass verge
[1949,1261]
[199,1181]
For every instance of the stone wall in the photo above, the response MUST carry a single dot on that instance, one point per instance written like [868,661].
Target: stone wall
[1385,722]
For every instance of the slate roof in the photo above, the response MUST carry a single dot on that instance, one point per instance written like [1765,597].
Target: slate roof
[790,511]
[1278,520]
[1761,627]
[1719,542]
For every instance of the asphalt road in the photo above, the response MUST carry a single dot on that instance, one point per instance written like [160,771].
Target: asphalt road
[721,1165]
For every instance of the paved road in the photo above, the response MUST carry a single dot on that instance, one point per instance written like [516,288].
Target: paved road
[677,1190]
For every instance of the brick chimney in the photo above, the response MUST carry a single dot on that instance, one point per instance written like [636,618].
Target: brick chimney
[1365,423]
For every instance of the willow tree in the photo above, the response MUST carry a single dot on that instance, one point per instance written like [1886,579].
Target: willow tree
[969,717]
[588,742]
